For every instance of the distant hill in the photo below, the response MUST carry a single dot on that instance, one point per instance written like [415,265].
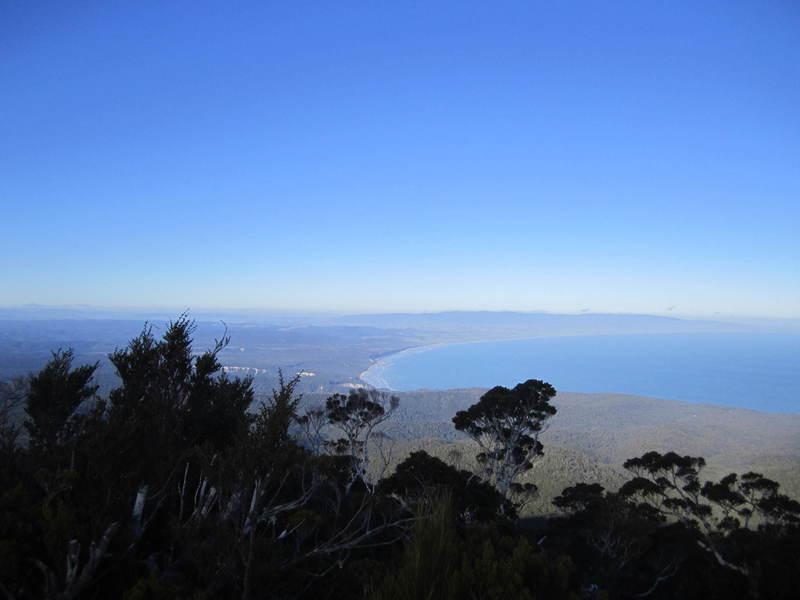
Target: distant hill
[482,323]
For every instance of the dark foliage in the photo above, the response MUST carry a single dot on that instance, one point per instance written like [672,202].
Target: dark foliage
[357,417]
[53,396]
[173,489]
[506,424]
[443,559]
[738,522]
[472,498]
[668,534]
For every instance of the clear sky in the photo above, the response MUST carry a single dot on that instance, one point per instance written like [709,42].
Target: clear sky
[402,156]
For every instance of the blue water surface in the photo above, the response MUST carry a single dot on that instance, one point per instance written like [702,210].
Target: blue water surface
[757,371]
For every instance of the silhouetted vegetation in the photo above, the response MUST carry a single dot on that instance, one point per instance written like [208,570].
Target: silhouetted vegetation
[180,485]
[506,425]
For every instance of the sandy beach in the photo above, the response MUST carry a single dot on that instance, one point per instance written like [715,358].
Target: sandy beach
[374,375]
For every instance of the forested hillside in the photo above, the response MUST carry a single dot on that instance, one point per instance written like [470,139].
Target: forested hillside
[594,434]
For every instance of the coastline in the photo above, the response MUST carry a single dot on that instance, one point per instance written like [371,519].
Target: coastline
[373,375]
[383,361]
[732,392]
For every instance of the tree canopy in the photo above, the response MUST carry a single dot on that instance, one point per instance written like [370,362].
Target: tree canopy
[506,424]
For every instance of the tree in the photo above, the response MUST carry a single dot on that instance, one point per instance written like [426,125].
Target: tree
[506,425]
[671,483]
[738,521]
[313,421]
[171,400]
[444,559]
[472,498]
[274,418]
[614,539]
[53,396]
[109,493]
[358,416]
[12,401]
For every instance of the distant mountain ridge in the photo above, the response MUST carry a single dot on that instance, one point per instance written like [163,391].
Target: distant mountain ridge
[549,323]
[544,323]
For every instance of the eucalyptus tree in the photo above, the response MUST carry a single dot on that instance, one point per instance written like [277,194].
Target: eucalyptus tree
[358,416]
[506,425]
[741,522]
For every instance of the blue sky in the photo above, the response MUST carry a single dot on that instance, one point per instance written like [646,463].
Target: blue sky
[386,156]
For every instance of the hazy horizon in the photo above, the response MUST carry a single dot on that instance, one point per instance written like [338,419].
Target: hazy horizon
[289,311]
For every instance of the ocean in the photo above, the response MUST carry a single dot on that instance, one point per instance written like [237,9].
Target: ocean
[745,370]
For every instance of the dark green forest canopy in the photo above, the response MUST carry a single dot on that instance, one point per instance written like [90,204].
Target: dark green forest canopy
[173,486]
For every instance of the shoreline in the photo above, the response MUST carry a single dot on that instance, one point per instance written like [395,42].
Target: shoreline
[381,361]
[378,376]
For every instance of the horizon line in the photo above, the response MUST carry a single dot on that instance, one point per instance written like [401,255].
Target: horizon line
[376,312]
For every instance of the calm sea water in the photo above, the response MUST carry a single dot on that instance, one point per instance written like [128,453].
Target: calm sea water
[757,371]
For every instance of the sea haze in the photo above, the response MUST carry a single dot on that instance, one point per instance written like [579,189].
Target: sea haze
[746,370]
